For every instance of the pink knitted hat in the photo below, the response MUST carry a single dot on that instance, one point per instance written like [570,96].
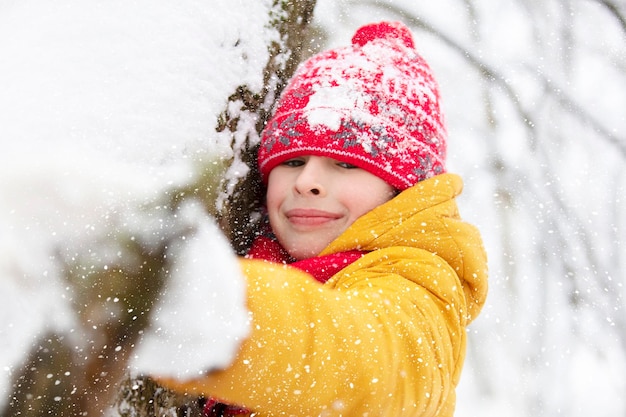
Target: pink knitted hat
[373,104]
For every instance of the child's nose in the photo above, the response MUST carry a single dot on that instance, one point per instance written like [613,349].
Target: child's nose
[309,181]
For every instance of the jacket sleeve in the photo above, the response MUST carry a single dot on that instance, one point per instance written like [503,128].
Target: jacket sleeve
[384,337]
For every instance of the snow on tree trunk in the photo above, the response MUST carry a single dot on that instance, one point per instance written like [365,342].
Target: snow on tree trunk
[127,125]
[247,113]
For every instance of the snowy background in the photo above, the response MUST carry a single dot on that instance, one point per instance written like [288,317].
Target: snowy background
[105,106]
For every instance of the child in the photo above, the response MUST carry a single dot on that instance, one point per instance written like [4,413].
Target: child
[374,277]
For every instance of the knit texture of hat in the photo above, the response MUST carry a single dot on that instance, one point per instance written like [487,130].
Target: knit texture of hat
[373,104]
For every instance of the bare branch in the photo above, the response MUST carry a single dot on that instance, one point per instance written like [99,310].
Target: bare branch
[487,72]
[569,104]
[615,11]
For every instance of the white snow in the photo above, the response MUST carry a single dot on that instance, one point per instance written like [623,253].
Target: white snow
[200,314]
[104,107]
[328,104]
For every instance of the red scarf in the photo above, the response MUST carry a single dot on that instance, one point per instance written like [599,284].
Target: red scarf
[321,267]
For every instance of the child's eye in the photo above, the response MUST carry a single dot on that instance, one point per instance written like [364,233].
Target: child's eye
[293,163]
[346,165]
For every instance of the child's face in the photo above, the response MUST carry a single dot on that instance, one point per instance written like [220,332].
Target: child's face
[311,200]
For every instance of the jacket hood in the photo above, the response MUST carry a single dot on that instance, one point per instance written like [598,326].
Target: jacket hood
[425,216]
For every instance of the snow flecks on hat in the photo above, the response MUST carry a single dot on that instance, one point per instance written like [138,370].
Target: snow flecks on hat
[374,104]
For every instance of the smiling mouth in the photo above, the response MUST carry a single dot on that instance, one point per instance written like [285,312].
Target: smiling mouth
[310,217]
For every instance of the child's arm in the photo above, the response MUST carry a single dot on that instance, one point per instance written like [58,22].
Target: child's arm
[388,337]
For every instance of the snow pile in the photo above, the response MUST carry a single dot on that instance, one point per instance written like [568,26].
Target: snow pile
[200,313]
[105,107]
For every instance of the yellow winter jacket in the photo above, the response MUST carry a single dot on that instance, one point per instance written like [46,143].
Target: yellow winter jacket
[385,336]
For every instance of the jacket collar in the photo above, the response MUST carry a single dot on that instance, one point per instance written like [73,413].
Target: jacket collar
[404,220]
